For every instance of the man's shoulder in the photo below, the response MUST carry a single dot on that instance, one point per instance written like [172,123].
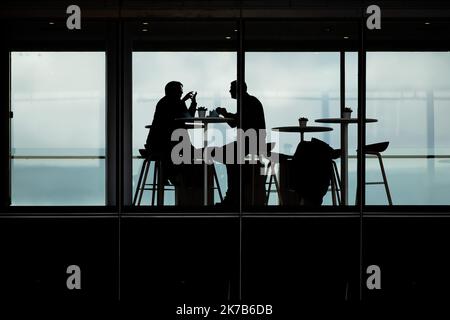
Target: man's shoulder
[253,99]
[163,103]
[162,100]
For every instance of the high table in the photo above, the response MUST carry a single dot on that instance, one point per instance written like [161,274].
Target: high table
[188,126]
[302,130]
[198,122]
[344,122]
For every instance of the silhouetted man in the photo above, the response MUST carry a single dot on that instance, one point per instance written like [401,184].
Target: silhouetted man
[250,117]
[159,141]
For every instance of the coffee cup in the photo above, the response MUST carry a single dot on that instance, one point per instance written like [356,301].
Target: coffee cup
[347,113]
[302,122]
[201,112]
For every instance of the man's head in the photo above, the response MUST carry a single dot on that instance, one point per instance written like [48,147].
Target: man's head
[174,89]
[234,89]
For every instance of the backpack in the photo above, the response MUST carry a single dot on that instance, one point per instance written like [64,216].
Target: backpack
[311,171]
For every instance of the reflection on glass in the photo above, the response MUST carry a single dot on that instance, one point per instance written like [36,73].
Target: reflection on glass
[409,94]
[58,100]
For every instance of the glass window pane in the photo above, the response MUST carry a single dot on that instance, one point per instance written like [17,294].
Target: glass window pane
[58,100]
[409,94]
[60,182]
[294,68]
[207,73]
[202,57]
[301,84]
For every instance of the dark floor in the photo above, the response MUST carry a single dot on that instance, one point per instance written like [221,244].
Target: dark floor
[197,260]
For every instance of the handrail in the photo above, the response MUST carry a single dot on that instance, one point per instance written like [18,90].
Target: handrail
[57,157]
[387,156]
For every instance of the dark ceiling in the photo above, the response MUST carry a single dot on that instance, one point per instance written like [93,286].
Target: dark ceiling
[225,8]
[210,24]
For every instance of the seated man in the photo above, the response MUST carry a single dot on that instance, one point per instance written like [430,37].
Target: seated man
[251,118]
[187,178]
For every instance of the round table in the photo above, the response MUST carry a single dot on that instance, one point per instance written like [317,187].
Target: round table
[203,122]
[302,130]
[344,122]
[188,126]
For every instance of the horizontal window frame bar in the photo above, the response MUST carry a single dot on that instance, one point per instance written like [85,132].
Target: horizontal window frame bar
[418,156]
[426,156]
[25,157]
[136,157]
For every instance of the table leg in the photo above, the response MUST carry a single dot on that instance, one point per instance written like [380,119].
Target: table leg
[344,163]
[205,166]
[160,193]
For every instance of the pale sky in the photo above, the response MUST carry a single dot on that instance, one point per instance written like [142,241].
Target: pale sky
[59,98]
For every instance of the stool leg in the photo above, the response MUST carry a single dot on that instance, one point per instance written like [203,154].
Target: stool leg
[217,183]
[175,190]
[338,190]
[138,187]
[333,188]
[147,166]
[338,178]
[253,184]
[155,174]
[269,189]
[160,184]
[386,186]
[277,186]
[337,181]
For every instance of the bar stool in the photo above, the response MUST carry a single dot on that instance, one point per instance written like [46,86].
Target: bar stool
[157,186]
[262,157]
[271,173]
[375,149]
[273,180]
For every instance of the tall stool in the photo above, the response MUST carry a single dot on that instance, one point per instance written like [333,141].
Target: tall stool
[217,186]
[258,193]
[375,149]
[273,180]
[157,186]
[271,173]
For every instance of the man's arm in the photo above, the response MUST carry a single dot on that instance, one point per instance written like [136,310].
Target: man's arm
[193,96]
[234,116]
[192,108]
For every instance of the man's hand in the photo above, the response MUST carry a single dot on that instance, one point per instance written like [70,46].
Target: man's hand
[190,95]
[221,111]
